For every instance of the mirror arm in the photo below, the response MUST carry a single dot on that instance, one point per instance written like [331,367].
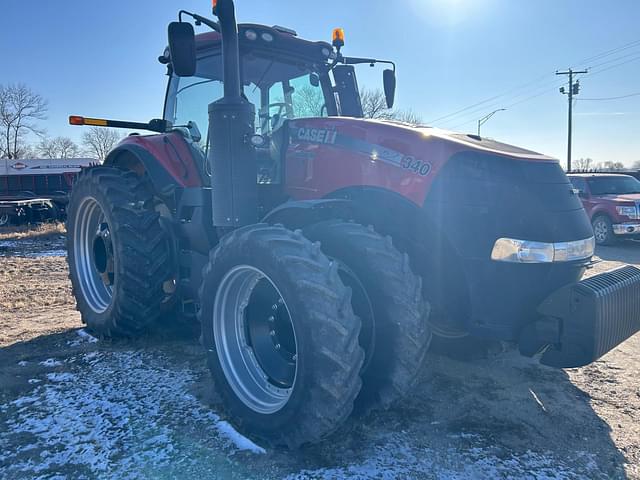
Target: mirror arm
[358,60]
[200,19]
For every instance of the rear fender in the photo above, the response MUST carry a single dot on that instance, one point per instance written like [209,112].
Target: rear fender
[167,159]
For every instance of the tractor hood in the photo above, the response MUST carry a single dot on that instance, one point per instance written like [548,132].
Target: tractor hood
[393,155]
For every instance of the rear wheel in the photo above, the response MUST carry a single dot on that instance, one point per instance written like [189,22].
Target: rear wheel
[118,254]
[280,334]
[388,298]
[603,230]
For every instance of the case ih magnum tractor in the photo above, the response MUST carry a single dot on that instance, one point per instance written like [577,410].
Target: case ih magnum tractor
[321,251]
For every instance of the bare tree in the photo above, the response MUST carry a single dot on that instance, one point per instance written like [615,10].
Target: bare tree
[98,141]
[308,102]
[583,164]
[609,165]
[374,105]
[58,147]
[20,109]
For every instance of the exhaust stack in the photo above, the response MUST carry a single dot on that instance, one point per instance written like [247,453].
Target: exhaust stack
[231,124]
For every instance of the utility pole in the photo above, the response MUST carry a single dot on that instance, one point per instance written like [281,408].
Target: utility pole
[574,89]
[484,119]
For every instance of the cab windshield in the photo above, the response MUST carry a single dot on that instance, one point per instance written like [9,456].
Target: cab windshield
[279,91]
[621,185]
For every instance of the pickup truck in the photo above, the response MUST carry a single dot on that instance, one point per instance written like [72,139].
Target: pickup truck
[612,202]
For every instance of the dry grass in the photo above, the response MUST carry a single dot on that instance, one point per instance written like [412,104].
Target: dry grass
[42,231]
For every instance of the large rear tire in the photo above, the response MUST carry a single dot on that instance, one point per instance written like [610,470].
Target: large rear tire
[280,334]
[398,312]
[119,256]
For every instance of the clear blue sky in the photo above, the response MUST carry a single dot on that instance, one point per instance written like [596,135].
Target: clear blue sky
[99,59]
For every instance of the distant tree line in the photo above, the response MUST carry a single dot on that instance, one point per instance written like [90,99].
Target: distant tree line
[21,113]
[22,110]
[588,164]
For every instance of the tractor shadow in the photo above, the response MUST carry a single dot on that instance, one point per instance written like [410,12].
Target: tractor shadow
[626,251]
[496,407]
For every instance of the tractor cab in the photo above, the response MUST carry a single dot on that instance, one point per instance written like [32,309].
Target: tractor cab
[283,76]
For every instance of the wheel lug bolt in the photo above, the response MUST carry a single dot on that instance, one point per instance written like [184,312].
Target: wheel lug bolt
[277,346]
[280,301]
[272,333]
[271,318]
[274,306]
[295,357]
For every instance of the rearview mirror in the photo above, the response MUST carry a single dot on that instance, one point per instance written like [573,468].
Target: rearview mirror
[389,83]
[182,48]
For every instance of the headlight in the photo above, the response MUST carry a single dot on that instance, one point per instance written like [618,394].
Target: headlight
[630,212]
[525,251]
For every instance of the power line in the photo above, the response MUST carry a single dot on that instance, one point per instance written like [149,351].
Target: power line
[482,103]
[610,52]
[509,106]
[607,98]
[630,54]
[614,66]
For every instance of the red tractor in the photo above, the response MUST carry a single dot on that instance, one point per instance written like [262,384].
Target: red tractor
[321,251]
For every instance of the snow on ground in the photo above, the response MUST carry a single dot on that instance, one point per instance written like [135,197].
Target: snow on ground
[29,248]
[132,414]
[116,399]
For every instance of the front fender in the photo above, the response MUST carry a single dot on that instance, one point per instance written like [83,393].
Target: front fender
[299,214]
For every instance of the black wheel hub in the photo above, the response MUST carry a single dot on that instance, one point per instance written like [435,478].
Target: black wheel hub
[103,254]
[270,333]
[362,307]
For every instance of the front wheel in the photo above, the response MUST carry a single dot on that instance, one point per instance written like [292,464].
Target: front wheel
[280,335]
[603,230]
[388,298]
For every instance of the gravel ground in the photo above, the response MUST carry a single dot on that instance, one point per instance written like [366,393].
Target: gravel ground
[75,407]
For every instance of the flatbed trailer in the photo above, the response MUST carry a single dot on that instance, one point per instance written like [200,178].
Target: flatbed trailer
[36,190]
[27,210]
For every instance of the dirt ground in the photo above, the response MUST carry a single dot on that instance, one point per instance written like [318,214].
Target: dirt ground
[72,406]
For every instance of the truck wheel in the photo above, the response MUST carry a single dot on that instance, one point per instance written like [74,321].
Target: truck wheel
[280,335]
[118,254]
[4,219]
[603,230]
[387,296]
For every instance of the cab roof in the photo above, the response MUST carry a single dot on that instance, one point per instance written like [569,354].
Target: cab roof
[269,40]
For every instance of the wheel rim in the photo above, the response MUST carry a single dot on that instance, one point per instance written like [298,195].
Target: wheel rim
[94,255]
[255,339]
[600,230]
[4,219]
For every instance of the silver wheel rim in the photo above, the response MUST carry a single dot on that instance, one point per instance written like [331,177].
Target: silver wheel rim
[600,230]
[4,219]
[90,229]
[239,360]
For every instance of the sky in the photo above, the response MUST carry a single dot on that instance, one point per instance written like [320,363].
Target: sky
[100,59]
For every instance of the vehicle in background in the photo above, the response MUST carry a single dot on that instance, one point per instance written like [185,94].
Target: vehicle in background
[36,190]
[612,202]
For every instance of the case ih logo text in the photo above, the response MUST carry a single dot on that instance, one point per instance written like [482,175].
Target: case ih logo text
[317,135]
